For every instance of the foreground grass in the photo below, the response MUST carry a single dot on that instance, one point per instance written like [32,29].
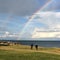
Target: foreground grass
[18,52]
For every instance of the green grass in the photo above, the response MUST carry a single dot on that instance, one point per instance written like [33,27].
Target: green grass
[14,55]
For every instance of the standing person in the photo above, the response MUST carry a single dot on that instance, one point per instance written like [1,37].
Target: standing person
[31,46]
[36,46]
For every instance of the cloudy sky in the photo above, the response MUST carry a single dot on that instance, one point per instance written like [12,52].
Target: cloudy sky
[24,19]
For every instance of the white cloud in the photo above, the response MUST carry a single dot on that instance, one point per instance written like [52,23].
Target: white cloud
[51,19]
[45,34]
[8,35]
[58,15]
[52,22]
[44,14]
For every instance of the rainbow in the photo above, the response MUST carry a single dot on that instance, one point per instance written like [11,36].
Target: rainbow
[40,9]
[34,15]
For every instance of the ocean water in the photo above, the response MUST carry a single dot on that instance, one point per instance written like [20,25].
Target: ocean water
[36,42]
[42,43]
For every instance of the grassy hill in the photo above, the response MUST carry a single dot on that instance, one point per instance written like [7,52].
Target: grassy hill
[21,52]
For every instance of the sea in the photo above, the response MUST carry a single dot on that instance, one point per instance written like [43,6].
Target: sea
[37,42]
[42,43]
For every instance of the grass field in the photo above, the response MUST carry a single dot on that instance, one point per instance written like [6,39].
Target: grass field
[20,52]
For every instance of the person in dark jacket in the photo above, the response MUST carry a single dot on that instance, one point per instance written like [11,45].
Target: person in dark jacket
[31,46]
[36,46]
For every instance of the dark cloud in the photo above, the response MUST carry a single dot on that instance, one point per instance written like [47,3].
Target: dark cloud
[19,7]
[25,7]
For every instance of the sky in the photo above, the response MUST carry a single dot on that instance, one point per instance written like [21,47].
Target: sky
[28,19]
